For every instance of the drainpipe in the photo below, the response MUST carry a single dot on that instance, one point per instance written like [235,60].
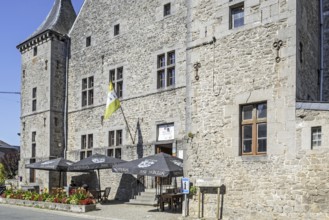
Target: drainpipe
[67,54]
[321,50]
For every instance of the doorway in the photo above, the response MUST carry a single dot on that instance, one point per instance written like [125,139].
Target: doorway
[167,149]
[164,148]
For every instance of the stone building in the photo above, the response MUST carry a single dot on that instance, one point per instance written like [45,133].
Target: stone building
[236,88]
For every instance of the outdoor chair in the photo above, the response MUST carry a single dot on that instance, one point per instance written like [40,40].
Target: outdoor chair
[106,194]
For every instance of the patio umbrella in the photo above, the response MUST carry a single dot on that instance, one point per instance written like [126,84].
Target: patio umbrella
[59,164]
[161,165]
[95,162]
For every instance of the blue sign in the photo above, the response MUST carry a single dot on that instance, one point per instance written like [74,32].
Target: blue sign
[185,185]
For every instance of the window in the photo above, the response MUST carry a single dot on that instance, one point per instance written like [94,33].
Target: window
[88,41]
[316,137]
[33,150]
[237,16]
[87,91]
[33,155]
[87,143]
[32,172]
[254,129]
[116,29]
[34,99]
[115,140]
[166,70]
[116,76]
[35,51]
[166,9]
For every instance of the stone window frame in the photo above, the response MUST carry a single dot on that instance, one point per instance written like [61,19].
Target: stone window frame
[316,137]
[115,140]
[116,76]
[253,121]
[234,10]
[88,41]
[167,9]
[166,69]
[87,91]
[34,99]
[87,144]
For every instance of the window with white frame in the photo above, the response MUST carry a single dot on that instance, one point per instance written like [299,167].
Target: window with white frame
[237,15]
[115,143]
[316,137]
[87,95]
[166,71]
[116,76]
[87,143]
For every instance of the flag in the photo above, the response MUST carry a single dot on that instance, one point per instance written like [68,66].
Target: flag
[112,103]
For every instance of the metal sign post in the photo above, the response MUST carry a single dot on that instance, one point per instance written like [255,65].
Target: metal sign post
[185,191]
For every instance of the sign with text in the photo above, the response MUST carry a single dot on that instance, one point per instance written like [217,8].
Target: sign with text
[185,185]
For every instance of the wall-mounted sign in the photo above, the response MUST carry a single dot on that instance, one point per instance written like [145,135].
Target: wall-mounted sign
[166,132]
[185,185]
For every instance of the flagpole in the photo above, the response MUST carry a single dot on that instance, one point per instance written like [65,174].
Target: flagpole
[127,125]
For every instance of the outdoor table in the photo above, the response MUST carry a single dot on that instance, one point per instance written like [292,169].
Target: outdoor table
[171,198]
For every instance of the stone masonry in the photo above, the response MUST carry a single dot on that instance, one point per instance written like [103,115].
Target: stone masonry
[274,57]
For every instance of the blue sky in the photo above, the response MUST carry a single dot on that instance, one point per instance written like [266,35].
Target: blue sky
[18,20]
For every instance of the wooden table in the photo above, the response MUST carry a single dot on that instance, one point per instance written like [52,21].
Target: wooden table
[171,199]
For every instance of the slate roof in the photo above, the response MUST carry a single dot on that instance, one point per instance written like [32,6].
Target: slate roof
[4,145]
[60,19]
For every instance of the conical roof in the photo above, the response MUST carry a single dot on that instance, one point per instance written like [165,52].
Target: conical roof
[60,19]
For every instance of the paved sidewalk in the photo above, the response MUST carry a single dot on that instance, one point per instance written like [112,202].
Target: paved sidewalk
[115,210]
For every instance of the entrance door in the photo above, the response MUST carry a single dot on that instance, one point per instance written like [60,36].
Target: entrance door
[164,148]
[167,149]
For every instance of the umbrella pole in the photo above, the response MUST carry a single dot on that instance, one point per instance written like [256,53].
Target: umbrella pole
[60,177]
[99,180]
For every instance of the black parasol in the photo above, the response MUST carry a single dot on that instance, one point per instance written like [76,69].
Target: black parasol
[95,162]
[59,164]
[161,165]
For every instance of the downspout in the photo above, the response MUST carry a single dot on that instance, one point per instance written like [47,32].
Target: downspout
[67,54]
[321,50]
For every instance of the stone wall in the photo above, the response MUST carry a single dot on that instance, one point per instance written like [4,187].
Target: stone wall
[325,51]
[144,34]
[46,72]
[308,50]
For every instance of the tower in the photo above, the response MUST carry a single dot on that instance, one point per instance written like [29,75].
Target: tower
[43,90]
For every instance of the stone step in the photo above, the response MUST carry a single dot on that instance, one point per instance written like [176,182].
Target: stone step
[142,202]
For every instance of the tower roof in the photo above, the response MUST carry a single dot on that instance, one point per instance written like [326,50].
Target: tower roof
[59,20]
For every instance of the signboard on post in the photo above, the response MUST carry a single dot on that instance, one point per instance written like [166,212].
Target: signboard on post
[185,185]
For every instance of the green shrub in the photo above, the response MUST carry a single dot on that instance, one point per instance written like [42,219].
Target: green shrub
[2,174]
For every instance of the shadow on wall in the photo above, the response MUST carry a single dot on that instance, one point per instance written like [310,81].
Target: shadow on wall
[127,188]
[140,150]
[90,179]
